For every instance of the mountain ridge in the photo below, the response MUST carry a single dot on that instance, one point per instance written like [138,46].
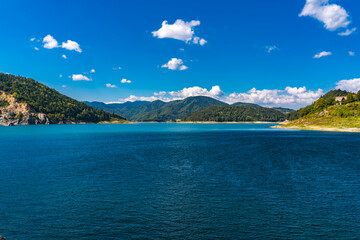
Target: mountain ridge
[159,111]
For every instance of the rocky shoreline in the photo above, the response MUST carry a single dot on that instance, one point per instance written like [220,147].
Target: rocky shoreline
[34,119]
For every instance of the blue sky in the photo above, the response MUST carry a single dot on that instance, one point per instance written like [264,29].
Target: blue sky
[276,53]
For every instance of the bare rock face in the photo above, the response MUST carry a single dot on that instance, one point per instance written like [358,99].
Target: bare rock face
[42,119]
[19,113]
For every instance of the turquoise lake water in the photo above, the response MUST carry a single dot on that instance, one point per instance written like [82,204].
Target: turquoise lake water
[178,181]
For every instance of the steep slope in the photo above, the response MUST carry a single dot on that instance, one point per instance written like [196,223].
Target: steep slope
[240,113]
[30,102]
[179,109]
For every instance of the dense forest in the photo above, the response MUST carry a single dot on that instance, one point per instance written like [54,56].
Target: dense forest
[55,105]
[241,113]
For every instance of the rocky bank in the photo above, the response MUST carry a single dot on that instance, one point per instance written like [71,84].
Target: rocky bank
[15,113]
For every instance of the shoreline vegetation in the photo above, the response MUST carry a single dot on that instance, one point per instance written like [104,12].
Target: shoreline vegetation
[336,111]
[328,124]
[319,128]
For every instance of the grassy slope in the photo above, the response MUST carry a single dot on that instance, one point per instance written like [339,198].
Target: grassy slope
[338,117]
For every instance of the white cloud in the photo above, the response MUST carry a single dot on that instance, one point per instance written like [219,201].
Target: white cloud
[71,45]
[352,85]
[347,32]
[92,71]
[80,77]
[288,97]
[332,15]
[323,54]
[215,92]
[197,40]
[110,85]
[125,81]
[64,86]
[64,56]
[133,98]
[175,64]
[32,39]
[60,75]
[351,53]
[202,42]
[50,42]
[36,48]
[180,30]
[117,68]
[269,49]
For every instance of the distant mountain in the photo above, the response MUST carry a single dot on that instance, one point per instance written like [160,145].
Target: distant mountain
[26,101]
[158,111]
[284,110]
[179,109]
[245,104]
[242,113]
[118,108]
[136,114]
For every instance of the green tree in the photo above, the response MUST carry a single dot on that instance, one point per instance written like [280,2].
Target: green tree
[350,98]
[319,104]
[330,101]
[358,96]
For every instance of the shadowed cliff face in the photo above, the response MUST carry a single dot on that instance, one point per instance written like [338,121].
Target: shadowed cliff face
[16,113]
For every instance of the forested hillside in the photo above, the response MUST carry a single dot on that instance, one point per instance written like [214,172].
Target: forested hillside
[240,113]
[55,105]
[179,109]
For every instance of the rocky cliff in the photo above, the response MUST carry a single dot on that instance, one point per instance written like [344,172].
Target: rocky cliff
[13,112]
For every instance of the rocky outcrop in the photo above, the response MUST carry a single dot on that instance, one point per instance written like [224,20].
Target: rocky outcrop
[16,113]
